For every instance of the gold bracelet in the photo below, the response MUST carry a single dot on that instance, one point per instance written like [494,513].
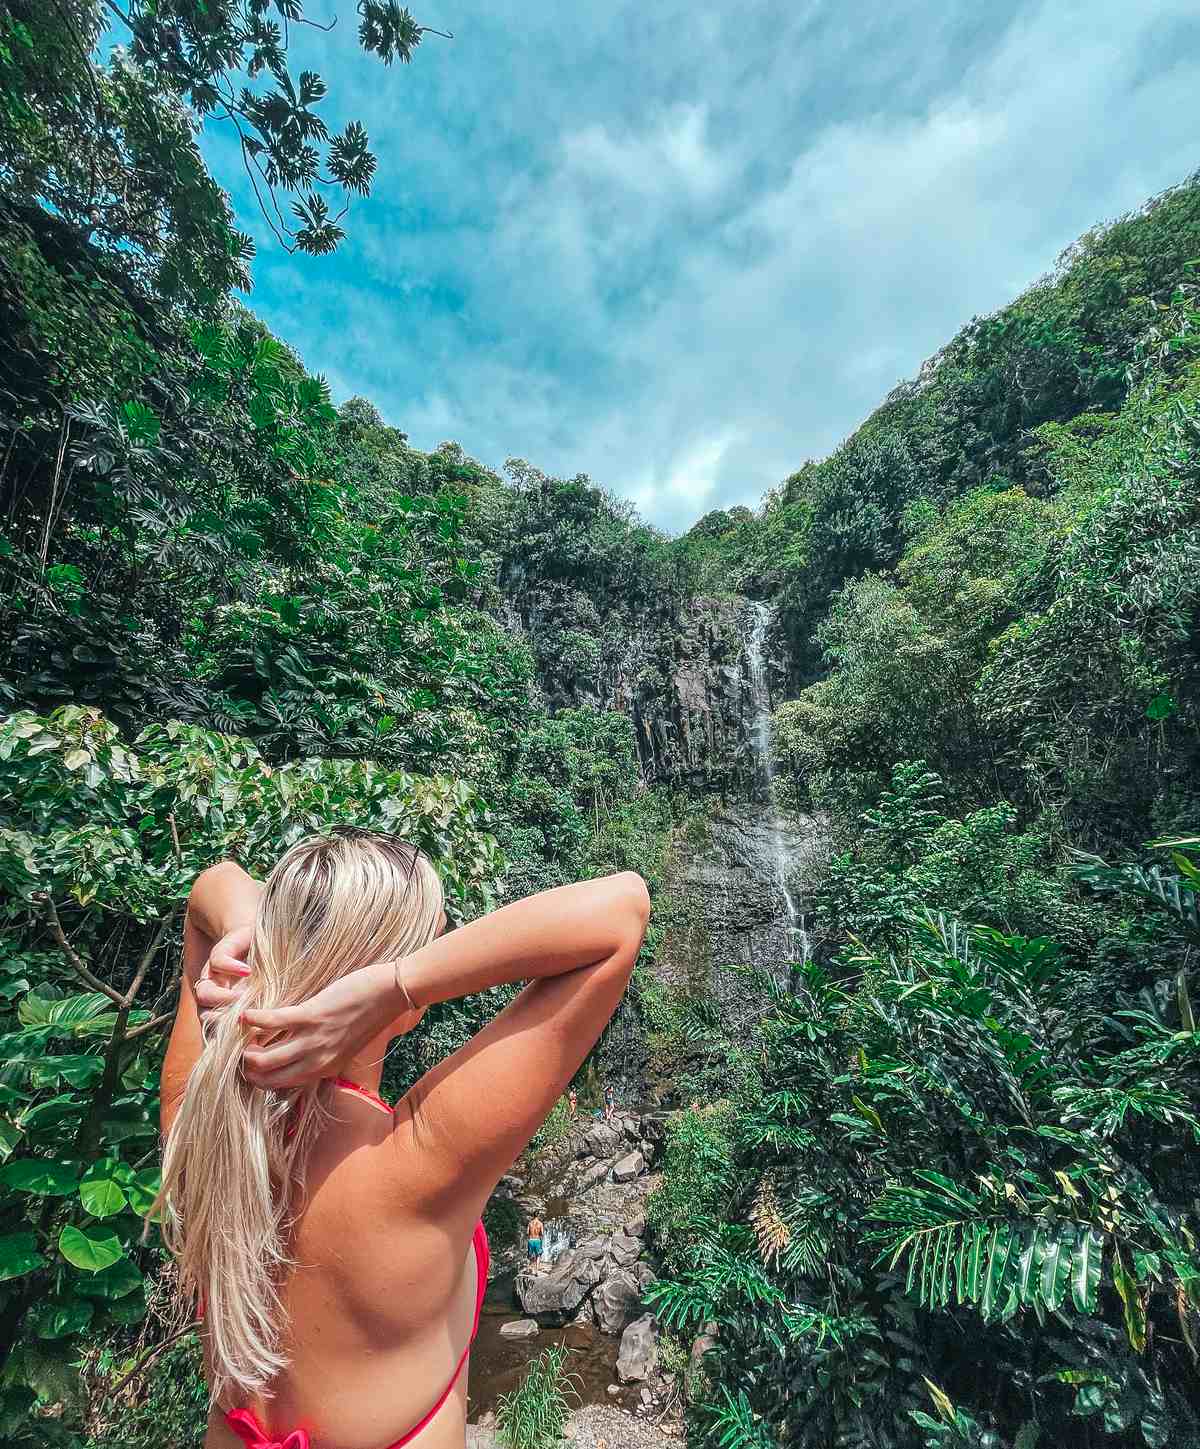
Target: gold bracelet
[402,986]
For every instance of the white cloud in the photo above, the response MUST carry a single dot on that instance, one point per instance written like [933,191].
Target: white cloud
[686,257]
[670,157]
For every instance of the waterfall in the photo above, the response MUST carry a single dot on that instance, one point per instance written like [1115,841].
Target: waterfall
[555,1242]
[760,744]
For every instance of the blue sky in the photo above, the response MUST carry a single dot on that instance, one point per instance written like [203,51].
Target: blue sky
[682,248]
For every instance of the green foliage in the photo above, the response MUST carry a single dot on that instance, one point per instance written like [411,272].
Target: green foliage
[534,1415]
[110,146]
[167,1402]
[556,1128]
[962,1163]
[100,840]
[1043,650]
[697,1182]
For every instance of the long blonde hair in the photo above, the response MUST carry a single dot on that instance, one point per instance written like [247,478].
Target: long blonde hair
[234,1160]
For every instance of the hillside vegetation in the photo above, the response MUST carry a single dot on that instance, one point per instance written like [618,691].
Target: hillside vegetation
[952,1197]
[949,1196]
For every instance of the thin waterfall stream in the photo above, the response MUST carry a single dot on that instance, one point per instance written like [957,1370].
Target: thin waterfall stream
[760,740]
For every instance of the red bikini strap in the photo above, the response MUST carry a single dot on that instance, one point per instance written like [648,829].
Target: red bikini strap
[373,1097]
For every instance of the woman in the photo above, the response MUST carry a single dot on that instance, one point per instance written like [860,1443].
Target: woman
[333,1245]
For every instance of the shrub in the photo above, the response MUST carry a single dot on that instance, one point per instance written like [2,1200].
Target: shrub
[534,1415]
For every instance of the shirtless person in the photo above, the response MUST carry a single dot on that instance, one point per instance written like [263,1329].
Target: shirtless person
[533,1237]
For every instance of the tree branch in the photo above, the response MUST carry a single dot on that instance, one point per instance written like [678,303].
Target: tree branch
[77,962]
[148,956]
[143,1027]
[148,1358]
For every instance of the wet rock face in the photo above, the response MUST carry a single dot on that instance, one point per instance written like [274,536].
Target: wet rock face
[617,1299]
[730,879]
[629,1167]
[680,675]
[555,1297]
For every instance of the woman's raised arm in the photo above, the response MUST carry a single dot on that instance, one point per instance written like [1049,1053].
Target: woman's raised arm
[476,1110]
[568,929]
[220,915]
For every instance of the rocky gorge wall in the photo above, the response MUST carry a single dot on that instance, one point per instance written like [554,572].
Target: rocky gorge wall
[678,669]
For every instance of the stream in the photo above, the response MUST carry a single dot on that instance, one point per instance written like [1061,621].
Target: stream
[498,1364]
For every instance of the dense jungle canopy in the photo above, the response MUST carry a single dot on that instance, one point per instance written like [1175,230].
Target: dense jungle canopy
[947,1193]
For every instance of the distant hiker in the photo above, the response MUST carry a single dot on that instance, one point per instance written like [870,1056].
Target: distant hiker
[573,1102]
[533,1239]
[610,1102]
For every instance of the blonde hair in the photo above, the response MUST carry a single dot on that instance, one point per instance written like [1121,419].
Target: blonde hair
[234,1160]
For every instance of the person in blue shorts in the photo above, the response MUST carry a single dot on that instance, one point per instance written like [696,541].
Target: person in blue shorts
[533,1239]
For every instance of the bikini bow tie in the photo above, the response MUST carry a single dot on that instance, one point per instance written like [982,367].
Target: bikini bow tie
[249,1431]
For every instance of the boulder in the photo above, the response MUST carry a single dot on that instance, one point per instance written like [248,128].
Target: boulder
[625,1169]
[520,1328]
[616,1300]
[644,1274]
[591,1176]
[592,1248]
[554,1297]
[632,1128]
[603,1140]
[635,1228]
[624,1250]
[511,1183]
[649,1151]
[701,1345]
[638,1355]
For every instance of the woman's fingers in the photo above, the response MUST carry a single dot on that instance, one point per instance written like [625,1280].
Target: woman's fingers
[225,963]
[211,997]
[262,1061]
[279,1018]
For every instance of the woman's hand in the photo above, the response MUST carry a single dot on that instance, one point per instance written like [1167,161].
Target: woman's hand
[225,972]
[310,1041]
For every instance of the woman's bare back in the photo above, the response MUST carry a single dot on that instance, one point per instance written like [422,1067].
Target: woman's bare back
[381,1302]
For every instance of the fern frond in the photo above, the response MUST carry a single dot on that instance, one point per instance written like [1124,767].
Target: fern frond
[956,1248]
[770,1228]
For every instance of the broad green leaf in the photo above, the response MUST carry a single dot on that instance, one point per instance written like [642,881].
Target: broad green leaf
[960,1268]
[40,1176]
[999,1247]
[70,1011]
[89,1249]
[128,1310]
[76,1071]
[143,1189]
[1029,1266]
[18,1255]
[50,1115]
[1056,1264]
[116,1281]
[10,1135]
[1085,1270]
[1131,1302]
[979,1238]
[943,1282]
[99,1191]
[61,1317]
